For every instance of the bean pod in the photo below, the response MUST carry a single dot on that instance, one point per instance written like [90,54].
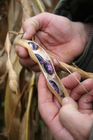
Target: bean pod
[39,55]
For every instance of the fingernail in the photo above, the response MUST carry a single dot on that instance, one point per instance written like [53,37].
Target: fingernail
[55,61]
[65,100]
[24,36]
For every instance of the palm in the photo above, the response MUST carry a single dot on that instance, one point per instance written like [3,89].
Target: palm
[58,35]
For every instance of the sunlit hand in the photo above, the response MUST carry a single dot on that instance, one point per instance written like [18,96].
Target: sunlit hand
[59,36]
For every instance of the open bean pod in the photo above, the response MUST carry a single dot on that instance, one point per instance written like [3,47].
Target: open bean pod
[39,55]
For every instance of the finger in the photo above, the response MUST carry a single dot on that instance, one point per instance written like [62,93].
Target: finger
[86,111]
[35,68]
[27,62]
[32,25]
[68,113]
[57,102]
[22,52]
[85,102]
[47,107]
[79,90]
[55,62]
[71,118]
[70,81]
[49,111]
[30,64]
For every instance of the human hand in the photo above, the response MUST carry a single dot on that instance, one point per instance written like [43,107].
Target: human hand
[59,36]
[67,121]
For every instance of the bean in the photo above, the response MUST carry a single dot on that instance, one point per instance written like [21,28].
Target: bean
[41,60]
[54,85]
[49,68]
[32,44]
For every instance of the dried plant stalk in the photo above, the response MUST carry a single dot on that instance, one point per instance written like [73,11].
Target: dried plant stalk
[83,73]
[12,75]
[31,87]
[10,107]
[26,9]
[39,5]
[13,83]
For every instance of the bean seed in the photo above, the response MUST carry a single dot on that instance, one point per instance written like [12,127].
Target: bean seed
[48,67]
[32,44]
[41,60]
[54,85]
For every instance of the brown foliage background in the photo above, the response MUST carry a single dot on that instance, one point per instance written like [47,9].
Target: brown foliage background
[19,116]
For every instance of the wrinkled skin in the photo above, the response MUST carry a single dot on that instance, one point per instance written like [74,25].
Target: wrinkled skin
[65,40]
[59,36]
[74,119]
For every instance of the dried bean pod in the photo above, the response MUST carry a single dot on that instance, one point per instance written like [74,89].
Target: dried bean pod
[54,83]
[48,67]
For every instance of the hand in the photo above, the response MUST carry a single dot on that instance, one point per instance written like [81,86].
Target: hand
[58,35]
[67,121]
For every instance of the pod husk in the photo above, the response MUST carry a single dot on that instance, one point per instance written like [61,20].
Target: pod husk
[24,43]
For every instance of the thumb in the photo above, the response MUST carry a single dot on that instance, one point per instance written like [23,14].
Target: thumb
[72,119]
[68,111]
[34,24]
[69,103]
[69,115]
[30,27]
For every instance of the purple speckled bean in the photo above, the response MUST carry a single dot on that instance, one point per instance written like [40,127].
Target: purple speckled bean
[48,67]
[54,85]
[40,59]
[32,44]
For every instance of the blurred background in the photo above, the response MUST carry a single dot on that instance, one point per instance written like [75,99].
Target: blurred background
[16,122]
